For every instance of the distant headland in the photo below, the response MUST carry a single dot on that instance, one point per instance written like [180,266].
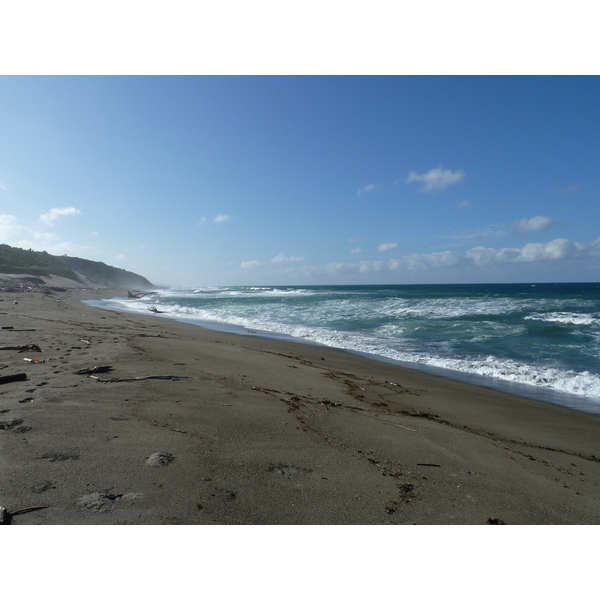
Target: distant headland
[30,267]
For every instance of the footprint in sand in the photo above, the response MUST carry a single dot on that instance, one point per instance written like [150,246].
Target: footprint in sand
[103,502]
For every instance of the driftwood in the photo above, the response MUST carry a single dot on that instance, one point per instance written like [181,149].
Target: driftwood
[92,370]
[65,296]
[11,378]
[164,377]
[140,294]
[25,348]
[32,360]
[6,516]
[155,310]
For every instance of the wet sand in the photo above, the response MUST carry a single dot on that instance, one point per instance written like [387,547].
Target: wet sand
[230,429]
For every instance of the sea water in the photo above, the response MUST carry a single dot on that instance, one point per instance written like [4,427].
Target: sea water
[535,340]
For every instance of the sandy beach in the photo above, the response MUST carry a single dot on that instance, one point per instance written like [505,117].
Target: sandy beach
[192,426]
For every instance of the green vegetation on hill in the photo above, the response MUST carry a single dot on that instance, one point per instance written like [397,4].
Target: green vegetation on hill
[30,262]
[100,272]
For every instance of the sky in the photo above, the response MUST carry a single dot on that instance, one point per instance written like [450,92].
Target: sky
[300,180]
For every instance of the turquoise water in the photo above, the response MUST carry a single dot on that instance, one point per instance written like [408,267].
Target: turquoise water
[540,340]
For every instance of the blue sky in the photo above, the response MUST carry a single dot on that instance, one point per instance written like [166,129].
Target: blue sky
[271,180]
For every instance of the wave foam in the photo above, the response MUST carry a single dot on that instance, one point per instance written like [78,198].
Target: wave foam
[389,328]
[565,318]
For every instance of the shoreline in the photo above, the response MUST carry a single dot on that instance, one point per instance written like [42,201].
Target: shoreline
[546,395]
[230,429]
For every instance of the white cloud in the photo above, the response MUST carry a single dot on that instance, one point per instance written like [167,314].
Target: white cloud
[22,236]
[281,258]
[366,190]
[120,257]
[463,204]
[202,221]
[387,247]
[222,219]
[45,237]
[50,245]
[9,228]
[533,225]
[2,186]
[356,251]
[436,179]
[54,213]
[480,256]
[250,264]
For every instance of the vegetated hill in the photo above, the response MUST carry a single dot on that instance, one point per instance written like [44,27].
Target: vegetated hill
[99,272]
[30,262]
[16,261]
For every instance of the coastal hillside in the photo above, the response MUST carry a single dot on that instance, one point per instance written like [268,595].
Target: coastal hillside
[99,272]
[35,267]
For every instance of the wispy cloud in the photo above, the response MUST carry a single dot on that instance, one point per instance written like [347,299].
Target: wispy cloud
[533,225]
[120,257]
[371,187]
[472,236]
[281,258]
[387,247]
[33,237]
[356,251]
[463,204]
[250,264]
[2,186]
[54,213]
[9,227]
[217,219]
[570,189]
[436,180]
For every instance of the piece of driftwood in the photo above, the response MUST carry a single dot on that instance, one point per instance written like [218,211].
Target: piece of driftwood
[402,427]
[92,370]
[25,348]
[6,516]
[155,310]
[11,378]
[140,294]
[65,296]
[164,377]
[32,360]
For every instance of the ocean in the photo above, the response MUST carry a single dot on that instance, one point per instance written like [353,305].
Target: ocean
[540,341]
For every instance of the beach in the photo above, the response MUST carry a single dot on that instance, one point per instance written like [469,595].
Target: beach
[186,425]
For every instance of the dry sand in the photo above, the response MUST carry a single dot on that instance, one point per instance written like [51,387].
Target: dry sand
[257,431]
